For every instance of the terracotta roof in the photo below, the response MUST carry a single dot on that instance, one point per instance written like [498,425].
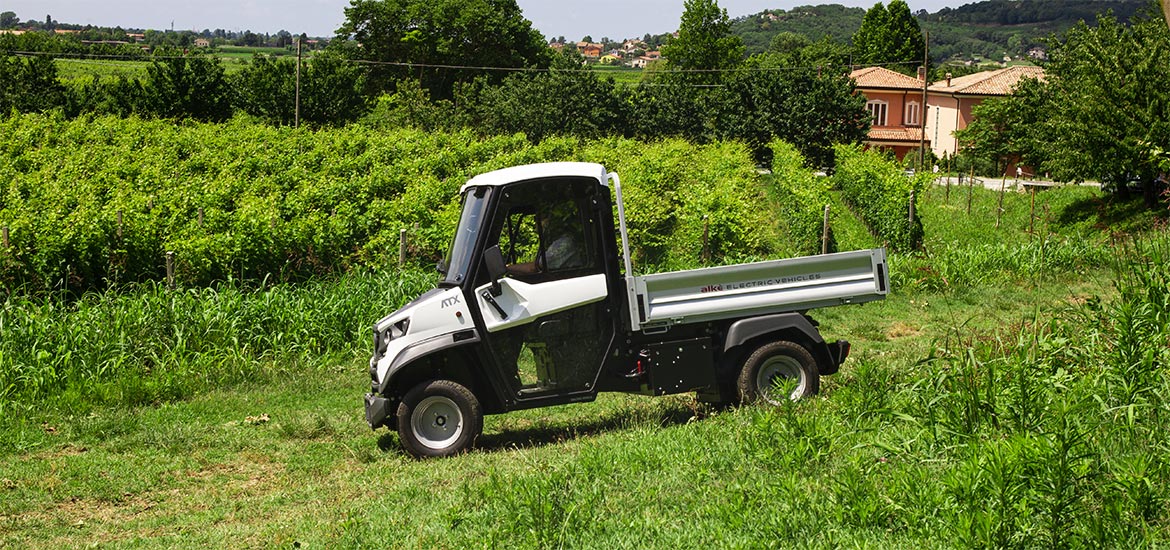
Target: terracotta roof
[881,77]
[895,134]
[997,82]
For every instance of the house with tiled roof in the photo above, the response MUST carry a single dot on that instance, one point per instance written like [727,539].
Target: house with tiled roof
[894,102]
[949,101]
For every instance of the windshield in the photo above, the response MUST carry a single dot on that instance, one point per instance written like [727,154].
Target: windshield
[458,262]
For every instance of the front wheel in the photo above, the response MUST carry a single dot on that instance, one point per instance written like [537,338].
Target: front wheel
[439,418]
[777,371]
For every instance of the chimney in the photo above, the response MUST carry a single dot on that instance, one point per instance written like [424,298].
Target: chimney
[921,73]
[948,80]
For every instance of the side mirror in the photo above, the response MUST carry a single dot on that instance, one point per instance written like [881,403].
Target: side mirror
[493,259]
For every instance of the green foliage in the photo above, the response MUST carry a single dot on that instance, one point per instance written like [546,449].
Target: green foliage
[826,22]
[331,90]
[439,32]
[1004,130]
[882,195]
[704,42]
[890,36]
[29,84]
[567,100]
[812,109]
[289,204]
[801,198]
[1105,119]
[144,344]
[188,86]
[676,192]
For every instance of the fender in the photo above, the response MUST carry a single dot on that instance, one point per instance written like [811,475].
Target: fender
[744,330]
[426,348]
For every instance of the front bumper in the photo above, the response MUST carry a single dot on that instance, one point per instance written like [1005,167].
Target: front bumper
[377,410]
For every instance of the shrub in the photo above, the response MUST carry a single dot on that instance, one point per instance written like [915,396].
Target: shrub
[802,198]
[881,193]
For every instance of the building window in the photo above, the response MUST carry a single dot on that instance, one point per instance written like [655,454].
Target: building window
[912,111]
[877,110]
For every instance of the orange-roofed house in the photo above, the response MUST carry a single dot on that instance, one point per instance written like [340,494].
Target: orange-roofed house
[894,102]
[949,102]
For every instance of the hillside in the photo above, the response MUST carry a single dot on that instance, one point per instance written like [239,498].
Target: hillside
[985,30]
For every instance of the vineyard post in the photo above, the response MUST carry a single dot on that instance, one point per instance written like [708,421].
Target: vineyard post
[825,232]
[912,205]
[170,270]
[401,247]
[297,123]
[119,225]
[970,188]
[4,233]
[999,209]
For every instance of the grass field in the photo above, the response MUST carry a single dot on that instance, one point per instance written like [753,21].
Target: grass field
[1021,406]
[234,58]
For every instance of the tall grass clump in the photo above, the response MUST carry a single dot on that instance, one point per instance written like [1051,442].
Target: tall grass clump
[879,191]
[1053,436]
[147,344]
[801,197]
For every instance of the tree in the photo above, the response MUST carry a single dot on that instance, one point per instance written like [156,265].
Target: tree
[187,86]
[704,42]
[8,20]
[564,101]
[890,36]
[29,84]
[331,90]
[439,42]
[1009,129]
[1110,108]
[813,109]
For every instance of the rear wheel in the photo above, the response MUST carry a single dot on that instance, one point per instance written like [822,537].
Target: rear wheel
[439,418]
[777,371]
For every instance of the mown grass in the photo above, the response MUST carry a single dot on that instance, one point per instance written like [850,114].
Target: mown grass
[1016,411]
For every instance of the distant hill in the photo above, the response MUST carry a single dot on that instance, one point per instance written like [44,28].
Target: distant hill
[986,30]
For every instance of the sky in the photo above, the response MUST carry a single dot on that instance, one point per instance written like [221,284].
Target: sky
[572,19]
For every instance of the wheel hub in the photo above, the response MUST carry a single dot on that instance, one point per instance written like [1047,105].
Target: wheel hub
[437,422]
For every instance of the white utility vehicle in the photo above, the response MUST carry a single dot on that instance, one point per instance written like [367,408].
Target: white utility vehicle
[538,306]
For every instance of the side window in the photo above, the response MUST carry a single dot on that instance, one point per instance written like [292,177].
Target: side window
[518,237]
[562,231]
[545,231]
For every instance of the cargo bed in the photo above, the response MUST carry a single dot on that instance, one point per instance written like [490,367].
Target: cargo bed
[776,286]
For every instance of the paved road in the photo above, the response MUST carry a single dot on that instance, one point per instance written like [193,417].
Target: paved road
[1012,184]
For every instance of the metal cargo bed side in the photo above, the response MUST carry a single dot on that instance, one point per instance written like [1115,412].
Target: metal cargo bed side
[760,288]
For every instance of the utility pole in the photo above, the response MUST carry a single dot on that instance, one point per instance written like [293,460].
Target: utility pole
[922,110]
[297,113]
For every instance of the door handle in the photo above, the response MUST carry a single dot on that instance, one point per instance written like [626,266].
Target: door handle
[487,297]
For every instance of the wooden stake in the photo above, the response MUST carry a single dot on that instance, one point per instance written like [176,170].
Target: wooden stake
[825,232]
[171,270]
[119,225]
[970,189]
[999,209]
[4,234]
[401,247]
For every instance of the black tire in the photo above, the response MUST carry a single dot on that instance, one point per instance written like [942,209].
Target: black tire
[772,363]
[439,418]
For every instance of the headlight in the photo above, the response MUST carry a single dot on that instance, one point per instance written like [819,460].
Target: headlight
[398,330]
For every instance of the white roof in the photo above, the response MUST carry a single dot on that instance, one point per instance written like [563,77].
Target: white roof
[513,174]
